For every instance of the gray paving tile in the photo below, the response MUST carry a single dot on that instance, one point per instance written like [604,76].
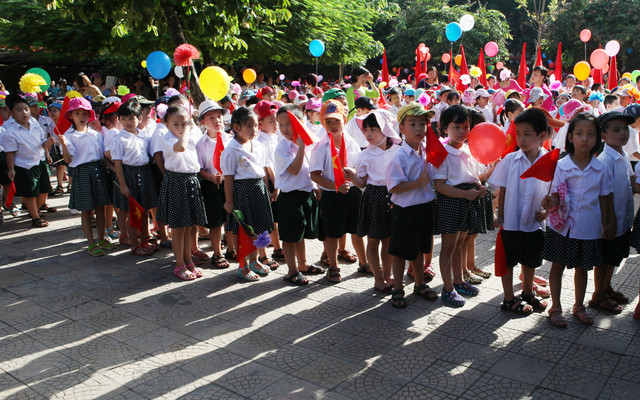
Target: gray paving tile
[620,389]
[478,356]
[370,384]
[605,339]
[328,371]
[590,359]
[522,368]
[574,381]
[249,379]
[291,388]
[210,391]
[448,377]
[493,387]
[156,339]
[416,391]
[541,347]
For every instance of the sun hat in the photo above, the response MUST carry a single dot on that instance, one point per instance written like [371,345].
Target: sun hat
[572,108]
[99,98]
[264,109]
[443,89]
[128,97]
[333,109]
[313,105]
[535,94]
[264,90]
[209,105]
[386,121]
[55,104]
[510,92]
[332,94]
[80,103]
[32,101]
[144,101]
[414,109]
[111,99]
[482,93]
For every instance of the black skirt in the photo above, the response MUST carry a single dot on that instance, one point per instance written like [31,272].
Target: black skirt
[90,187]
[573,253]
[374,215]
[141,185]
[634,238]
[456,214]
[616,250]
[181,203]
[214,199]
[251,198]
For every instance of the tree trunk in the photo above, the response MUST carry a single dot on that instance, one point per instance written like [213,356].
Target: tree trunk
[341,73]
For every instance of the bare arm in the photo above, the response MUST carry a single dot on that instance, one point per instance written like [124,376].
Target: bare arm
[11,163]
[500,220]
[120,174]
[296,164]
[228,192]
[451,191]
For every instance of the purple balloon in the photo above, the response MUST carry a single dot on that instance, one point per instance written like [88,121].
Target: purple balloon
[320,78]
[406,70]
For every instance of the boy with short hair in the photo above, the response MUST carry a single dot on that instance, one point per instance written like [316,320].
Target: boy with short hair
[611,102]
[579,92]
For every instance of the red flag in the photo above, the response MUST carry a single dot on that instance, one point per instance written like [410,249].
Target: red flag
[538,58]
[217,151]
[511,142]
[500,259]
[338,161]
[613,74]
[382,100]
[136,213]
[385,69]
[10,194]
[436,153]
[299,129]
[418,65]
[464,70]
[558,72]
[483,68]
[454,76]
[63,124]
[544,167]
[245,245]
[547,144]
[522,71]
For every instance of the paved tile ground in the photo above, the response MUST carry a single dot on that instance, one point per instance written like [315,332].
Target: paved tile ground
[123,327]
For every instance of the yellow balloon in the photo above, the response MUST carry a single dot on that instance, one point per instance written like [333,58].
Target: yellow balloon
[582,70]
[458,59]
[626,75]
[144,63]
[249,75]
[280,93]
[382,85]
[214,83]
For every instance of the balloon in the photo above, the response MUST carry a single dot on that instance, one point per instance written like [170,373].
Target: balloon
[552,64]
[427,49]
[466,22]
[44,74]
[582,70]
[158,64]
[320,78]
[458,59]
[249,75]
[395,69]
[634,76]
[499,65]
[421,45]
[585,35]
[316,47]
[599,58]
[555,85]
[281,77]
[486,142]
[143,63]
[406,70]
[612,48]
[605,69]
[453,31]
[491,48]
[446,58]
[178,71]
[428,57]
[214,82]
[423,50]
[381,61]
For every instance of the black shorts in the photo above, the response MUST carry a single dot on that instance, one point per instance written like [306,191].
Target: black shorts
[298,212]
[616,250]
[523,248]
[33,181]
[4,178]
[340,212]
[411,230]
[214,200]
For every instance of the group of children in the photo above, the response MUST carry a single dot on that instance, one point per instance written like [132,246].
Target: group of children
[187,174]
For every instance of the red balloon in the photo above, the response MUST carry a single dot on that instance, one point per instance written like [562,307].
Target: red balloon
[499,65]
[552,64]
[428,56]
[599,58]
[446,58]
[585,35]
[486,142]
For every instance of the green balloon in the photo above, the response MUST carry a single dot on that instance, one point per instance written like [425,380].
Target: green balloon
[634,76]
[44,74]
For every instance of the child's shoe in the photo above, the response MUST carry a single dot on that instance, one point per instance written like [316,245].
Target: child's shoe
[453,298]
[466,288]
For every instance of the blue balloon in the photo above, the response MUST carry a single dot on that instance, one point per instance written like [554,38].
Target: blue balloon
[629,50]
[316,47]
[544,55]
[453,31]
[158,64]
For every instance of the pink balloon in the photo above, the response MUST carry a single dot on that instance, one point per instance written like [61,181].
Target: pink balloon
[491,49]
[428,57]
[486,142]
[446,58]
[427,49]
[612,48]
[585,35]
[499,65]
[605,69]
[424,50]
[555,85]
[599,58]
[421,45]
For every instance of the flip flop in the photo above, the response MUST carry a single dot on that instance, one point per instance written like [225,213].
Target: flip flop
[297,279]
[250,277]
[95,250]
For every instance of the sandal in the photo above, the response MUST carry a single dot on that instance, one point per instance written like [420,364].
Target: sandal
[517,306]
[582,314]
[397,299]
[537,280]
[14,210]
[453,298]
[385,290]
[605,303]
[333,275]
[150,245]
[141,251]
[200,255]
[618,297]
[429,272]
[364,269]
[48,208]
[314,270]
[556,318]
[106,245]
[346,256]
[482,274]
[324,259]
[95,250]
[250,277]
[219,262]
[278,255]
[472,278]
[59,190]
[196,270]
[425,292]
[534,301]
[113,233]
[39,222]
[167,245]
[297,279]
[231,255]
[543,292]
[269,262]
[263,270]
[466,288]
[185,275]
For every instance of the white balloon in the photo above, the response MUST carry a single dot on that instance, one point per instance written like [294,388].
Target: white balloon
[281,77]
[320,78]
[178,71]
[612,48]
[466,22]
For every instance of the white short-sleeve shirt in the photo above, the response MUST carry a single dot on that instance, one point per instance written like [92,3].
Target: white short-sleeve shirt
[633,145]
[622,173]
[287,182]
[523,196]
[321,157]
[185,162]
[406,165]
[584,188]
[270,143]
[244,161]
[373,162]
[84,147]
[27,143]
[459,167]
[559,139]
[108,135]
[156,138]
[132,150]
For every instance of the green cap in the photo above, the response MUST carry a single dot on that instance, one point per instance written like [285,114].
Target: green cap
[332,94]
[414,109]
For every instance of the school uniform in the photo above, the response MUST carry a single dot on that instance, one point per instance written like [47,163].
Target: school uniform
[297,205]
[338,211]
[181,204]
[578,244]
[213,194]
[621,173]
[4,178]
[91,187]
[487,112]
[374,214]
[455,214]
[522,235]
[31,170]
[634,238]
[247,163]
[412,212]
[133,151]
[632,146]
[315,128]
[270,142]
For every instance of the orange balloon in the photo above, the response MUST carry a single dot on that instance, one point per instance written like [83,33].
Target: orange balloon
[458,59]
[249,75]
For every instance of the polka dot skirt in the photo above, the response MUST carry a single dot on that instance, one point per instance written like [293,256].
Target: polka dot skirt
[90,187]
[181,202]
[374,215]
